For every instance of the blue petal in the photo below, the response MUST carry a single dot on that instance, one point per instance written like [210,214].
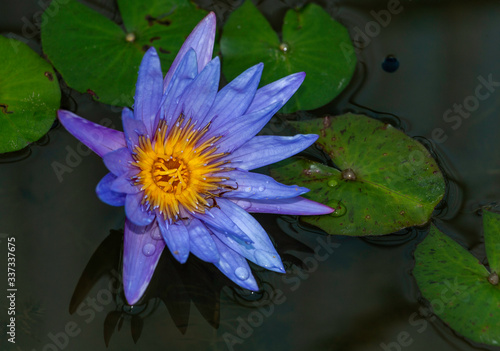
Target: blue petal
[233,100]
[148,89]
[243,128]
[185,74]
[132,129]
[277,92]
[261,251]
[294,206]
[263,150]
[118,161]
[201,40]
[124,184]
[235,267]
[199,96]
[258,186]
[201,243]
[99,139]
[135,211]
[106,195]
[216,219]
[141,253]
[176,237]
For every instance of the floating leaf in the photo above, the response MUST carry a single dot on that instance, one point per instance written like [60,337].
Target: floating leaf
[456,285]
[311,42]
[385,180]
[492,239]
[100,58]
[29,95]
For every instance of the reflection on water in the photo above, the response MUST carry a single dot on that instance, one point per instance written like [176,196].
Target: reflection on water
[173,284]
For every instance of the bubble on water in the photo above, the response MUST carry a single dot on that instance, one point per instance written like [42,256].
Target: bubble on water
[148,249]
[241,273]
[390,64]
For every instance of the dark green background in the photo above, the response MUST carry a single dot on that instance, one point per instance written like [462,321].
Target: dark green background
[363,294]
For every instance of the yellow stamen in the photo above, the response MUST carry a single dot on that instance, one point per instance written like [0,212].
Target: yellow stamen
[178,172]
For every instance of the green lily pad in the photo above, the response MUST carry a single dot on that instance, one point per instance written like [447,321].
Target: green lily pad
[29,95]
[457,286]
[385,180]
[101,58]
[312,42]
[492,239]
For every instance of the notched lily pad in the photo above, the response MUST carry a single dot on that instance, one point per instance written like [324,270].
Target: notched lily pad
[385,180]
[461,291]
[311,42]
[29,95]
[102,59]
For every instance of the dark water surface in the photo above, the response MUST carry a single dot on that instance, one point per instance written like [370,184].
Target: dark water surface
[341,293]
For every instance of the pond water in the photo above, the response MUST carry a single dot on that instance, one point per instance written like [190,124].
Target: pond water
[340,293]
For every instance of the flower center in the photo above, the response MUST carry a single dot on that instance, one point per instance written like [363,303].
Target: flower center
[178,171]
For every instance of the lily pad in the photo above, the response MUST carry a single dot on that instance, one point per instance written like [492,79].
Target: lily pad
[458,286]
[383,181]
[101,58]
[311,42]
[29,95]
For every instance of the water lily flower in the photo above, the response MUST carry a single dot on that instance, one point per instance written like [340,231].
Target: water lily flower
[181,165]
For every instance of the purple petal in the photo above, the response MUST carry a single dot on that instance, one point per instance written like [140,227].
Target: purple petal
[295,206]
[277,92]
[261,251]
[201,40]
[106,195]
[201,243]
[132,129]
[148,89]
[235,267]
[263,150]
[258,186]
[141,253]
[216,219]
[118,161]
[182,78]
[98,138]
[242,129]
[135,211]
[176,237]
[199,96]
[233,100]
[124,184]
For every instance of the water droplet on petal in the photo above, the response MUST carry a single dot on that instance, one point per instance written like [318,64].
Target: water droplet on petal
[156,234]
[241,273]
[248,189]
[148,249]
[261,188]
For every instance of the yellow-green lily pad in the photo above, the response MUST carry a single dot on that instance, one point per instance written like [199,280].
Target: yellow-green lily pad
[383,180]
[312,42]
[29,95]
[461,291]
[101,58]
